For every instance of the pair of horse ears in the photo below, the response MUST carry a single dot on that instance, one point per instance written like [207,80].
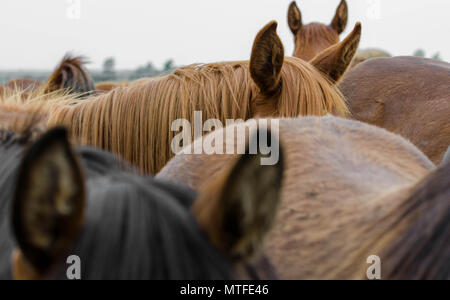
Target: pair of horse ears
[267,58]
[48,207]
[239,208]
[338,24]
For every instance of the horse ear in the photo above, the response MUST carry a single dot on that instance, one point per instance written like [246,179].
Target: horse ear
[294,18]
[340,19]
[48,205]
[267,59]
[71,76]
[335,60]
[248,203]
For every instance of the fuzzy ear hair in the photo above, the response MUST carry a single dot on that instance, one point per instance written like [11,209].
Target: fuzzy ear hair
[249,201]
[294,18]
[340,19]
[335,60]
[49,201]
[267,59]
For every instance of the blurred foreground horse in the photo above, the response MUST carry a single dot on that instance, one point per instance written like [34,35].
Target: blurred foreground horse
[350,191]
[57,201]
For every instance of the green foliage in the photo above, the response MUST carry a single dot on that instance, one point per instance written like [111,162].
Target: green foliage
[421,53]
[107,73]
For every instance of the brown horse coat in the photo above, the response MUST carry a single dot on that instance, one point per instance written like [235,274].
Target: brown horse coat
[343,183]
[409,96]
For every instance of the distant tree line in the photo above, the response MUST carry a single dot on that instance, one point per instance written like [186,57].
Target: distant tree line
[421,53]
[107,73]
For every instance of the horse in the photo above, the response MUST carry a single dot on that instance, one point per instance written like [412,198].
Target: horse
[405,95]
[311,39]
[350,191]
[58,202]
[136,121]
[71,77]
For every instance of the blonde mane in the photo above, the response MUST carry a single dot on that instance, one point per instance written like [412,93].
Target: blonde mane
[135,121]
[26,115]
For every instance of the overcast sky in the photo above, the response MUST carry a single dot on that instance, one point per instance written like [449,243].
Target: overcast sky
[36,34]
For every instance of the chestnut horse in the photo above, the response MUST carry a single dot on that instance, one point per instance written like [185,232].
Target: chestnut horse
[136,121]
[350,191]
[409,96]
[311,39]
[57,201]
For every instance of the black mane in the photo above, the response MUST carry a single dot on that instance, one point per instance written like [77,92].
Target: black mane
[136,227]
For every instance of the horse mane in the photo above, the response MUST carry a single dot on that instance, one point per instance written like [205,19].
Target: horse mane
[221,91]
[142,226]
[23,84]
[107,86]
[24,116]
[70,75]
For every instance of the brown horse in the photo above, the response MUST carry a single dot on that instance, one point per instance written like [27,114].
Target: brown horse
[71,77]
[350,191]
[409,96]
[58,201]
[311,39]
[136,122]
